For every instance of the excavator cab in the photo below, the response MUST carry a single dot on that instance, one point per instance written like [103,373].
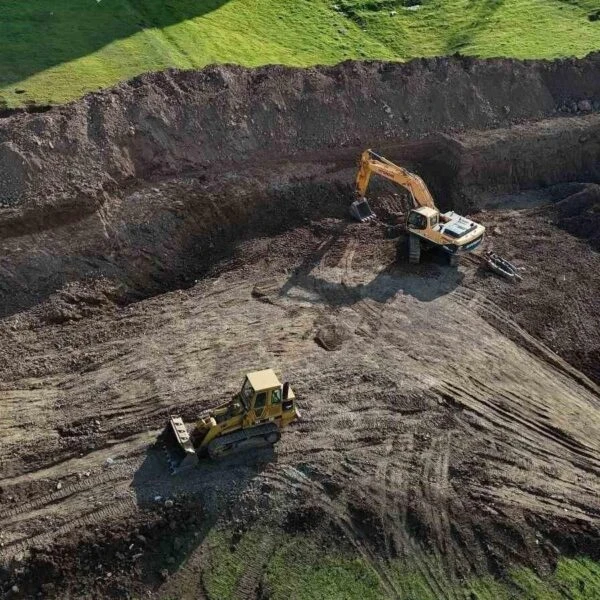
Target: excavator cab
[423,218]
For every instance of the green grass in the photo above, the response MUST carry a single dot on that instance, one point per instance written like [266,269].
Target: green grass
[56,50]
[227,561]
[301,570]
[302,567]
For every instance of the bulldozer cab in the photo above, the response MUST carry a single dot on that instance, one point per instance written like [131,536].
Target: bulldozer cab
[261,394]
[264,397]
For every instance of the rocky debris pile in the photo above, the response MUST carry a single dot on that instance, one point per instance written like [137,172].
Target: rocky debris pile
[579,106]
[117,560]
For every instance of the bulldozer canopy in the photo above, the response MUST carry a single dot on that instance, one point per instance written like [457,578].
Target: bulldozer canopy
[263,380]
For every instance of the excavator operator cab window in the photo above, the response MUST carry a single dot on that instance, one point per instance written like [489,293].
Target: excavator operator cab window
[276,396]
[417,220]
[434,220]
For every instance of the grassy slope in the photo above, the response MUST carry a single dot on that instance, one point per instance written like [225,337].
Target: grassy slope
[56,50]
[302,568]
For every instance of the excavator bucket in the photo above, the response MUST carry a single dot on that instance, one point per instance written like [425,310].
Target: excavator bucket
[361,210]
[175,441]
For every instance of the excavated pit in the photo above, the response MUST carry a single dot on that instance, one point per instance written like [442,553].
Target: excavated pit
[187,226]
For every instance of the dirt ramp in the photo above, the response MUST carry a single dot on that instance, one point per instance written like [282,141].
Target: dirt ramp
[528,156]
[578,211]
[169,122]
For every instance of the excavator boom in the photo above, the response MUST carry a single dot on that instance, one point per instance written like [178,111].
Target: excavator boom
[371,162]
[425,224]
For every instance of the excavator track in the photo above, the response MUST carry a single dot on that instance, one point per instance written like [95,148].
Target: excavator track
[414,249]
[261,436]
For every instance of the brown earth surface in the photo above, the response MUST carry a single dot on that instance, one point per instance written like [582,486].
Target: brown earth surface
[449,417]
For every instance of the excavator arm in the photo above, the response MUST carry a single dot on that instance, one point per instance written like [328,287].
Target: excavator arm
[448,231]
[373,163]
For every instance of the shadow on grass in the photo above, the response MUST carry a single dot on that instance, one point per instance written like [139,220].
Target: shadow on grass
[193,502]
[37,36]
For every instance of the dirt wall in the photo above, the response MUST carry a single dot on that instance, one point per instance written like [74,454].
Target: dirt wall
[173,121]
[528,156]
[152,237]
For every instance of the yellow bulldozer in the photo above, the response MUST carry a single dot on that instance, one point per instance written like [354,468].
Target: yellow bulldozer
[252,419]
[426,226]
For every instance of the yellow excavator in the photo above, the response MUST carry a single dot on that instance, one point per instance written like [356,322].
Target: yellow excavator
[425,224]
[252,419]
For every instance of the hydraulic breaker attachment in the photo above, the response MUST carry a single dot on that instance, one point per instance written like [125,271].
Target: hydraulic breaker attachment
[502,267]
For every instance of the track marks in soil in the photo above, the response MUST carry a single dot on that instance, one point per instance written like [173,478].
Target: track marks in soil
[87,519]
[426,423]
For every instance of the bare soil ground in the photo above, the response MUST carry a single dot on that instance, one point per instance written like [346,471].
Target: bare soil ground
[450,418]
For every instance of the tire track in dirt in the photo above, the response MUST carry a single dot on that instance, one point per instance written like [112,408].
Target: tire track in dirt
[435,487]
[520,422]
[114,511]
[113,475]
[249,582]
[393,505]
[337,513]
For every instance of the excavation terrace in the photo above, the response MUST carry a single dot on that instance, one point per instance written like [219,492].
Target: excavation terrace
[162,238]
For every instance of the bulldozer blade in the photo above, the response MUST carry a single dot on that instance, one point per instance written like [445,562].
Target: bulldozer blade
[176,443]
[361,210]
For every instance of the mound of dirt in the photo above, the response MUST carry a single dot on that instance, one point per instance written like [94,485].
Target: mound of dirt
[578,211]
[174,121]
[330,336]
[115,562]
[552,235]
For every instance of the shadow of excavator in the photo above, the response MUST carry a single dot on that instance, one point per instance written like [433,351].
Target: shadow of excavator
[425,282]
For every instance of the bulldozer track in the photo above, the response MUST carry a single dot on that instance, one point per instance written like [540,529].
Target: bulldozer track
[114,474]
[114,510]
